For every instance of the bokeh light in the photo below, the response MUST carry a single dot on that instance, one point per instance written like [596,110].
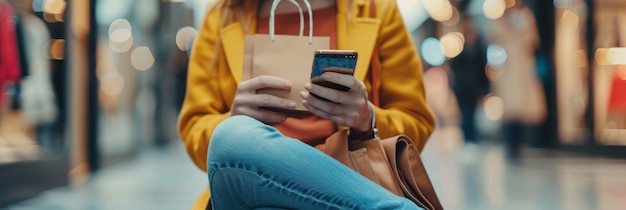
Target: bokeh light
[452,44]
[431,52]
[184,36]
[617,55]
[439,10]
[38,5]
[496,55]
[494,107]
[54,7]
[53,10]
[570,18]
[120,30]
[601,56]
[57,49]
[456,17]
[120,36]
[510,3]
[611,56]
[141,58]
[494,9]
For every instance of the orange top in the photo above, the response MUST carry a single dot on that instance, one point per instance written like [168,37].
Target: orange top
[312,129]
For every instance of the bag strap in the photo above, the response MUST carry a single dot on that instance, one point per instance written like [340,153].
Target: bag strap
[374,65]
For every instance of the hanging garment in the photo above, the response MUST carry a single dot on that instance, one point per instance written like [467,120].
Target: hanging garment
[617,96]
[37,98]
[24,65]
[21,46]
[9,54]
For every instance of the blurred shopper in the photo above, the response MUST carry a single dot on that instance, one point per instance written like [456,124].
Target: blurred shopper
[517,83]
[263,159]
[470,83]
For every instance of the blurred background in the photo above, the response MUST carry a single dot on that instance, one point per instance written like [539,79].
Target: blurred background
[530,99]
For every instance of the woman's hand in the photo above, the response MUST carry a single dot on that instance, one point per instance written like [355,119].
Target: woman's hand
[248,102]
[348,108]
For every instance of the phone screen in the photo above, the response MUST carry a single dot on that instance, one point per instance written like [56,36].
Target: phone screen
[346,61]
[322,61]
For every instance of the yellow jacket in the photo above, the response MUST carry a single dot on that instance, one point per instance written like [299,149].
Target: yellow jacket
[211,87]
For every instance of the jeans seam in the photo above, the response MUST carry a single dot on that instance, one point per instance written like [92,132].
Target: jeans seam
[248,168]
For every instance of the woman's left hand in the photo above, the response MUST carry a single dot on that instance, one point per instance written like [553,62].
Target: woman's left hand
[347,108]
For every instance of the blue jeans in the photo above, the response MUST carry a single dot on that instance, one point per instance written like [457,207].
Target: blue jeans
[253,166]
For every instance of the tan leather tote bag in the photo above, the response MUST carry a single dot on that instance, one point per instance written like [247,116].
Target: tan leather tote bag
[393,163]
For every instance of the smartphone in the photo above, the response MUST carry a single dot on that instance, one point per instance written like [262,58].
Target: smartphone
[345,60]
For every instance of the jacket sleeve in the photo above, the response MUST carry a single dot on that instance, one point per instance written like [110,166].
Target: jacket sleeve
[403,108]
[202,108]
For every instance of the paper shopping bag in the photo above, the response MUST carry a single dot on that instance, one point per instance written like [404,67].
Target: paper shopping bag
[285,56]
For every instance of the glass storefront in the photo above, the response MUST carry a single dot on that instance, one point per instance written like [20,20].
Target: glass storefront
[609,71]
[591,92]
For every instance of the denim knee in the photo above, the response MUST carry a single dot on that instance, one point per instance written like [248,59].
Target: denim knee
[234,126]
[236,138]
[233,131]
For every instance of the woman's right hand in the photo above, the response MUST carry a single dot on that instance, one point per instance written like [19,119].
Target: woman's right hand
[248,102]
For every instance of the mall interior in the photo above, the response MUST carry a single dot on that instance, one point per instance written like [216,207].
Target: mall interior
[92,89]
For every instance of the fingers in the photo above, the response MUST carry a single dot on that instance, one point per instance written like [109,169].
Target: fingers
[251,105]
[340,119]
[351,97]
[248,102]
[342,107]
[338,76]
[261,82]
[342,114]
[264,100]
[321,104]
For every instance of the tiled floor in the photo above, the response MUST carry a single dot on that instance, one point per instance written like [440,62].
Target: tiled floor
[470,177]
[155,179]
[479,177]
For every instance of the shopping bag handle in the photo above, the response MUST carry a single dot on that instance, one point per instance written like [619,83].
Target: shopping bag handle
[308,6]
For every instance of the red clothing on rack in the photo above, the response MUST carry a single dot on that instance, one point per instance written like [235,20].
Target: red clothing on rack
[617,97]
[9,55]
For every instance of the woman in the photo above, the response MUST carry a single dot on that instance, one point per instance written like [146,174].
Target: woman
[261,159]
[518,84]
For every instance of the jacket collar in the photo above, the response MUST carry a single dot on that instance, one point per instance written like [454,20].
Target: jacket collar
[359,32]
